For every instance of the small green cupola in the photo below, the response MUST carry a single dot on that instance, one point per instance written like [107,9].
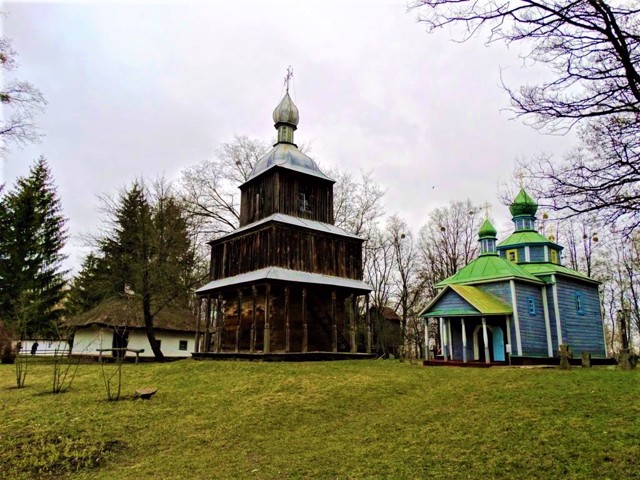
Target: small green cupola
[523,210]
[487,236]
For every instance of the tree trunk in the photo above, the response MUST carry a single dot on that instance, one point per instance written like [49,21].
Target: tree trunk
[148,319]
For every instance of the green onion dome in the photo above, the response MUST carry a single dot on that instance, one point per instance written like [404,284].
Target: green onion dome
[523,205]
[487,230]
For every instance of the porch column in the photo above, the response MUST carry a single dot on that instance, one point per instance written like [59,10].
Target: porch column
[305,329]
[219,323]
[368,314]
[239,320]
[287,333]
[198,315]
[464,341]
[267,327]
[252,338]
[206,341]
[426,338]
[334,325]
[450,338]
[352,323]
[485,337]
[443,340]
[510,350]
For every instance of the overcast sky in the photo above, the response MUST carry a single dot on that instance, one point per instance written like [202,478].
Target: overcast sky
[148,89]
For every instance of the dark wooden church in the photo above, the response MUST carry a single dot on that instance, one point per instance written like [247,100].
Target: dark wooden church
[287,280]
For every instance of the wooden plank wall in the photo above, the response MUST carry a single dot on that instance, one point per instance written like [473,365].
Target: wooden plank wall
[278,191]
[287,247]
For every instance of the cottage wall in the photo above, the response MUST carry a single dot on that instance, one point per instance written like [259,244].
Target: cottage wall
[169,343]
[86,341]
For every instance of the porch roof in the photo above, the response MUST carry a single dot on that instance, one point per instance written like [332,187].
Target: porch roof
[478,302]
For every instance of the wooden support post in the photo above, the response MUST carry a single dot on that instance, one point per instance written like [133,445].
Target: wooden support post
[427,355]
[267,327]
[450,338]
[334,325]
[443,340]
[239,320]
[485,338]
[287,333]
[198,314]
[207,325]
[464,341]
[252,339]
[219,323]
[305,329]
[368,314]
[352,323]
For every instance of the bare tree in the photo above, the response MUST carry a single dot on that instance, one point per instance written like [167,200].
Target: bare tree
[210,189]
[408,283]
[448,241]
[592,47]
[21,101]
[357,203]
[601,177]
[378,271]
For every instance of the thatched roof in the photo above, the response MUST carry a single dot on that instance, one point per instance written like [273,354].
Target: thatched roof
[127,312]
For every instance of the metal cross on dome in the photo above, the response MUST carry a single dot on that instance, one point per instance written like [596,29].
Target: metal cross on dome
[487,207]
[519,174]
[288,77]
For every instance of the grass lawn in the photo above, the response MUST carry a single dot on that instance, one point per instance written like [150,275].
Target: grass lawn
[352,419]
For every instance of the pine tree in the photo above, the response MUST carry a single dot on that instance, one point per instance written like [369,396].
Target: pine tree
[33,236]
[149,251]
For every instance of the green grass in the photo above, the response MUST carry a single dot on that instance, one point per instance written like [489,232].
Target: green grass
[364,419]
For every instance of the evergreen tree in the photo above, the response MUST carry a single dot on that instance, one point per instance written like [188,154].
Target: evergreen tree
[149,252]
[33,234]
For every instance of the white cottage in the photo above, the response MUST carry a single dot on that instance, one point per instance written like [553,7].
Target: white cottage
[118,323]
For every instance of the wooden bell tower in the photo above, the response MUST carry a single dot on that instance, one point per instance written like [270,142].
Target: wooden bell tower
[287,281]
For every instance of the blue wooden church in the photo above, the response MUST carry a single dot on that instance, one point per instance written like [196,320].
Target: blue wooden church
[516,302]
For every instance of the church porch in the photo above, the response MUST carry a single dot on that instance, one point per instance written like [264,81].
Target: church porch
[470,340]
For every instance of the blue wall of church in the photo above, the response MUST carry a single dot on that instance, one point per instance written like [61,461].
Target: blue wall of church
[552,319]
[533,332]
[581,330]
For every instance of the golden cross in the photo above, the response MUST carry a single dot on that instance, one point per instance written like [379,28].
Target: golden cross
[288,77]
[519,174]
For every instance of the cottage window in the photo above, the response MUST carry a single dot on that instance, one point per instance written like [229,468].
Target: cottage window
[183,345]
[579,304]
[512,255]
[532,306]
